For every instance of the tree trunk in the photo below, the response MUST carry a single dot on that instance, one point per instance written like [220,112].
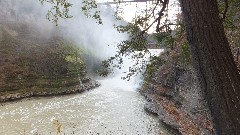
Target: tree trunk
[214,64]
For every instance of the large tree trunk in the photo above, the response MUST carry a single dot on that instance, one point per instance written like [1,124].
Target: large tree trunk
[214,64]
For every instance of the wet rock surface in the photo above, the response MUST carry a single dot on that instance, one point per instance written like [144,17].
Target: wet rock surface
[87,85]
[173,93]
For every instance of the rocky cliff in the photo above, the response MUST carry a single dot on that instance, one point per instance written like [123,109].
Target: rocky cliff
[37,64]
[174,95]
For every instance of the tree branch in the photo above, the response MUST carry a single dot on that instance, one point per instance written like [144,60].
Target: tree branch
[160,14]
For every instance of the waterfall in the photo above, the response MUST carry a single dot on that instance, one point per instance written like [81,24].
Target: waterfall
[136,80]
[113,108]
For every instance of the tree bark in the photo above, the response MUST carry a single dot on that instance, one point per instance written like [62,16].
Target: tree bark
[214,63]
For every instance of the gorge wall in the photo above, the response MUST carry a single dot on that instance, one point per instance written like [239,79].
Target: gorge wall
[174,95]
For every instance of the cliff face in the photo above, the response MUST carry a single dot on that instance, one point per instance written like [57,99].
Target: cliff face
[173,93]
[32,63]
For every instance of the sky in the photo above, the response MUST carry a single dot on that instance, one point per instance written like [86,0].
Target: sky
[130,10]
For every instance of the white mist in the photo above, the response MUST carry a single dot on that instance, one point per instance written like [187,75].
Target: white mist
[114,108]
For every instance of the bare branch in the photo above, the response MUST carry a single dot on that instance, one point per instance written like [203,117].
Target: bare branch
[160,14]
[167,25]
[155,8]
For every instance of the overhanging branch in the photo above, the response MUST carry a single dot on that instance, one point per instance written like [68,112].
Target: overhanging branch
[160,14]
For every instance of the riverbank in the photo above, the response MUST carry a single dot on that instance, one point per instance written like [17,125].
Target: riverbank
[174,95]
[35,66]
[47,92]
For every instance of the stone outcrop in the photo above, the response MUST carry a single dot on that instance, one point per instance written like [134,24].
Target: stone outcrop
[174,95]
[32,65]
[90,84]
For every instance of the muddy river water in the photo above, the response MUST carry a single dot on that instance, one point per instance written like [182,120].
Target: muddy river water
[114,108]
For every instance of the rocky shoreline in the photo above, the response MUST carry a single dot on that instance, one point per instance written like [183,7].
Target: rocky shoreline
[91,84]
[174,95]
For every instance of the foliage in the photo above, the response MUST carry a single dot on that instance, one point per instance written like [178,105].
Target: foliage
[165,39]
[169,32]
[232,9]
[88,6]
[52,63]
[134,48]
[168,37]
[60,9]
[232,26]
[232,20]
[137,30]
[185,56]
[153,67]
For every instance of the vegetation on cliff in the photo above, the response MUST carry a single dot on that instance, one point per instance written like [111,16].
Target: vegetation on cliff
[206,29]
[31,63]
[172,87]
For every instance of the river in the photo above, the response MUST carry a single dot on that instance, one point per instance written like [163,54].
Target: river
[115,108]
